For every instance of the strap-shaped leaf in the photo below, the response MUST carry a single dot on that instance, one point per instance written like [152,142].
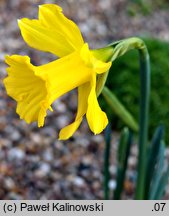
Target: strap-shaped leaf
[119,109]
[107,136]
[122,159]
[153,153]
[158,173]
[162,185]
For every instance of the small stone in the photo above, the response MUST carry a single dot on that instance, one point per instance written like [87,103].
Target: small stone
[84,28]
[62,121]
[14,196]
[78,181]
[43,170]
[104,5]
[112,184]
[9,183]
[129,187]
[36,137]
[101,29]
[60,106]
[132,161]
[12,133]
[87,160]
[97,138]
[113,169]
[82,141]
[49,131]
[134,150]
[16,154]
[15,136]
[48,155]
[5,143]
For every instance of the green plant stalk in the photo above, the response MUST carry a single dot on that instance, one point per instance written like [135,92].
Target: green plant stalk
[119,49]
[107,135]
[143,121]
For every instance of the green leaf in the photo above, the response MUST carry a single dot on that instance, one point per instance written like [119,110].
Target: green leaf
[158,173]
[162,184]
[107,136]
[122,147]
[122,159]
[119,109]
[153,153]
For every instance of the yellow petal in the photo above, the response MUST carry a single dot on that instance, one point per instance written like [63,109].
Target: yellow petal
[98,66]
[26,88]
[96,118]
[101,67]
[83,93]
[69,130]
[51,16]
[52,32]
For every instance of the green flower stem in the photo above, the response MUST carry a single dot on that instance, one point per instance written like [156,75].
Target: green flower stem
[143,122]
[120,48]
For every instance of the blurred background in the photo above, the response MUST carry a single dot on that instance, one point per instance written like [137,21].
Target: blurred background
[33,163]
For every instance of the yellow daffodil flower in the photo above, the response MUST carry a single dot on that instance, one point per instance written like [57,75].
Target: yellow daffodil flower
[35,88]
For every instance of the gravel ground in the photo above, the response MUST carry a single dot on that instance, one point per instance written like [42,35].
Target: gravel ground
[33,163]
